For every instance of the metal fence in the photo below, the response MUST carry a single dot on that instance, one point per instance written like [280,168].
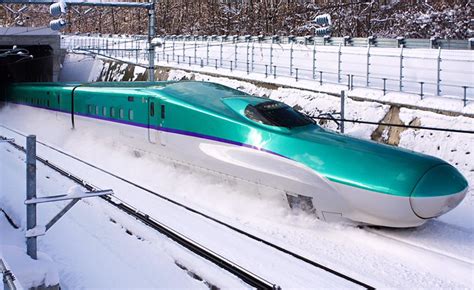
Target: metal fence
[335,41]
[438,72]
[434,42]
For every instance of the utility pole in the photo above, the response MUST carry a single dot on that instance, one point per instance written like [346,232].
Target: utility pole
[343,102]
[31,193]
[151,35]
[33,231]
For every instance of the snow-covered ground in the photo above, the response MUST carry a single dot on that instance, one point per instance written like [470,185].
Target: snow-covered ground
[94,245]
[248,253]
[436,255]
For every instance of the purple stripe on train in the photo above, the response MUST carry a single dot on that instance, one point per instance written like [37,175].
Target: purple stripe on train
[164,129]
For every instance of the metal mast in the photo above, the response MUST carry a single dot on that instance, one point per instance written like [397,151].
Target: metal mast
[151,35]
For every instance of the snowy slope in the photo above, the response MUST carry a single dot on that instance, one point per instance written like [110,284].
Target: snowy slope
[305,66]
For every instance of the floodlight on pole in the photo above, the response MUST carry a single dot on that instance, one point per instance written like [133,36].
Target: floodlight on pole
[57,9]
[323,20]
[57,24]
[322,31]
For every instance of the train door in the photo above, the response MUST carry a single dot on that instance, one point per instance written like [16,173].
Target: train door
[156,117]
[162,120]
[153,120]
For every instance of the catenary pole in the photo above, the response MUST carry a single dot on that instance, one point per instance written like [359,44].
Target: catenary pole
[151,35]
[31,245]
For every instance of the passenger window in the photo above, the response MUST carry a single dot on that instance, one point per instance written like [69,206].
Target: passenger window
[130,114]
[104,111]
[152,109]
[97,110]
[112,112]
[89,109]
[121,113]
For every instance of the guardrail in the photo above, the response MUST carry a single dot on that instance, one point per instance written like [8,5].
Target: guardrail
[373,41]
[433,42]
[424,72]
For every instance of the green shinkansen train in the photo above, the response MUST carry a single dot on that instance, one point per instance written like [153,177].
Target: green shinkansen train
[256,139]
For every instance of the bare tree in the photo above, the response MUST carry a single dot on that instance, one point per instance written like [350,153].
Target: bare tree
[357,18]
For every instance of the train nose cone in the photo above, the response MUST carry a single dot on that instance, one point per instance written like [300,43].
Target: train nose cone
[440,189]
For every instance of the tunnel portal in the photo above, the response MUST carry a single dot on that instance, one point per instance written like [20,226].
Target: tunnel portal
[29,55]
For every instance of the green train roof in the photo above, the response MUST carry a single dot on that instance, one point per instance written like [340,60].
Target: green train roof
[208,96]
[128,84]
[203,95]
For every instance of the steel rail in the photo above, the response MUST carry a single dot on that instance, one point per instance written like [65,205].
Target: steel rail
[234,228]
[248,277]
[411,244]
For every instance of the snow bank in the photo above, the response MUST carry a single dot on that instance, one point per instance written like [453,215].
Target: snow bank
[93,245]
[80,67]
[28,272]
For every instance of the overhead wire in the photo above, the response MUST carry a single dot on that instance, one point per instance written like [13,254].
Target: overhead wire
[392,124]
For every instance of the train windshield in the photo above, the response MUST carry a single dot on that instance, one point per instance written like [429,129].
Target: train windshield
[276,114]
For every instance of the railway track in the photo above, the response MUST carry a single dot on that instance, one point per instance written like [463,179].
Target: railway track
[247,276]
[442,254]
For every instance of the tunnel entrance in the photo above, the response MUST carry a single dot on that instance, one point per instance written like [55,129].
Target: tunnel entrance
[29,54]
[29,64]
